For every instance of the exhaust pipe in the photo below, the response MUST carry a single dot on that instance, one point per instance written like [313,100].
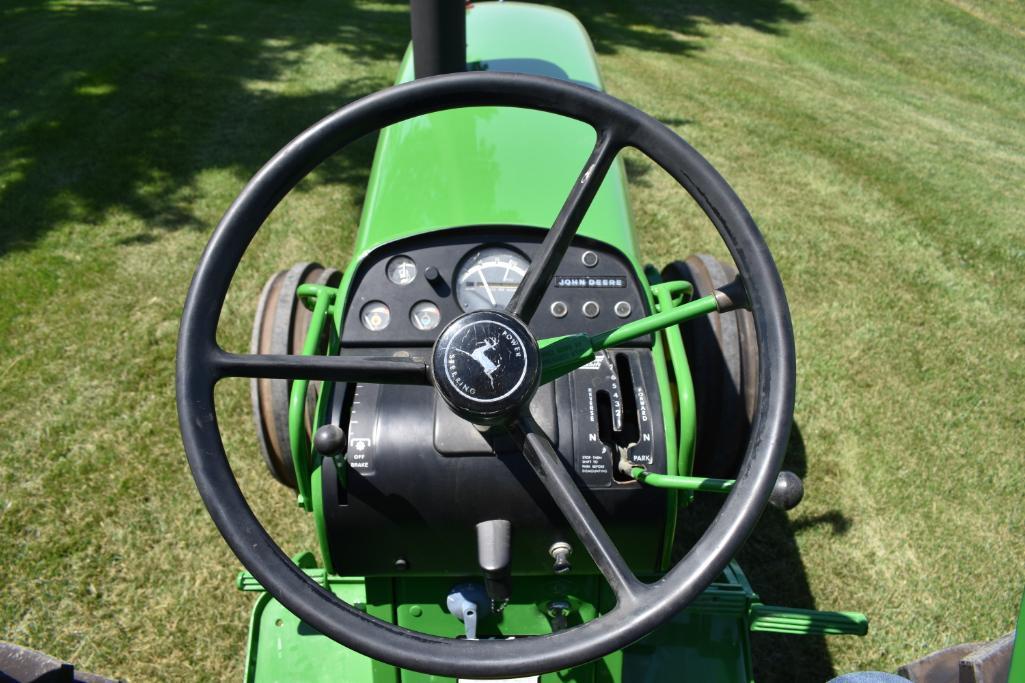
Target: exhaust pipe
[439,36]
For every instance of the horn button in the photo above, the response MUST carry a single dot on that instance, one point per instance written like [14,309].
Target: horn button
[486,366]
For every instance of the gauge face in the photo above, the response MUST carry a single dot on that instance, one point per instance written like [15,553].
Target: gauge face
[375,316]
[402,270]
[488,278]
[424,315]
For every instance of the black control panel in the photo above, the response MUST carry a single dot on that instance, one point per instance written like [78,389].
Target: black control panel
[421,478]
[404,292]
[618,419]
[415,479]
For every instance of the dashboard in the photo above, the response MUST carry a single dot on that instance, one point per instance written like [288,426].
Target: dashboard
[405,291]
[421,477]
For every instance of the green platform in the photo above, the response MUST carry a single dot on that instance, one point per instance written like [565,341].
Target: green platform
[709,639]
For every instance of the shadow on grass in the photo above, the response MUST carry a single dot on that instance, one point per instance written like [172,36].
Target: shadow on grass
[674,27]
[122,106]
[772,561]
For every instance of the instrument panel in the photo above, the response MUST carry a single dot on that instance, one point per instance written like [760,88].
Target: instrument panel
[439,474]
[404,291]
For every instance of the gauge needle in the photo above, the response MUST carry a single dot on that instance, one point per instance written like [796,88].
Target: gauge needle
[487,289]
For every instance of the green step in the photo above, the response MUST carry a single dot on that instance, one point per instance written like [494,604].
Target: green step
[791,620]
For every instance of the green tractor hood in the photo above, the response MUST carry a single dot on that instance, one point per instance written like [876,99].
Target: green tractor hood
[488,165]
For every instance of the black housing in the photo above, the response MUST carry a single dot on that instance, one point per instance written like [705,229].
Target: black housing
[428,478]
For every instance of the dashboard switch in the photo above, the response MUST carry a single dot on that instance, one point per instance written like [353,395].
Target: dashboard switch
[589,259]
[559,309]
[623,308]
[591,309]
[467,602]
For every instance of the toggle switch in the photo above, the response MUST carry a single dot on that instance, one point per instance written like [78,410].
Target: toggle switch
[468,603]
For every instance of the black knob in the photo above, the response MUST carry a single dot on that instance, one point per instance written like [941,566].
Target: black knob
[788,491]
[432,274]
[329,440]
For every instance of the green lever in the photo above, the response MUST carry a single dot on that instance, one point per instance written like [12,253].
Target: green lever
[668,481]
[562,355]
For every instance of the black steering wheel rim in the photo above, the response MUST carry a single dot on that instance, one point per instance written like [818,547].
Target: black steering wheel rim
[201,363]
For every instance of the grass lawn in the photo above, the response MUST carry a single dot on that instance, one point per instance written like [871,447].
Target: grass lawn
[880,146]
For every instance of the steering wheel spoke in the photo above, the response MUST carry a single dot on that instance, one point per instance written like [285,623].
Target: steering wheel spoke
[528,295]
[541,455]
[325,368]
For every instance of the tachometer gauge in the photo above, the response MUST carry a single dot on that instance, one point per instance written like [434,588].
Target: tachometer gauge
[488,278]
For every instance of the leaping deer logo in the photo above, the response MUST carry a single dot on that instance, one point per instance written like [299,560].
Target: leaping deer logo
[479,354]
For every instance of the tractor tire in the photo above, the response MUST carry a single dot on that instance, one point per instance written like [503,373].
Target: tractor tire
[722,350]
[280,327]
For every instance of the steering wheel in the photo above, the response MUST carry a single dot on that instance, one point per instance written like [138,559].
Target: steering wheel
[640,607]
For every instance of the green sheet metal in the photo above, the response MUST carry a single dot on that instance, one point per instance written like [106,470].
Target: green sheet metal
[693,646]
[420,607]
[282,648]
[488,165]
[709,640]
[1017,673]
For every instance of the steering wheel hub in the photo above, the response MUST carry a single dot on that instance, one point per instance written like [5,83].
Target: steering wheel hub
[486,365]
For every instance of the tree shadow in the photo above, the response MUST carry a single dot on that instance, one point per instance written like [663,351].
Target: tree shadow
[674,27]
[772,561]
[129,106]
[124,106]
